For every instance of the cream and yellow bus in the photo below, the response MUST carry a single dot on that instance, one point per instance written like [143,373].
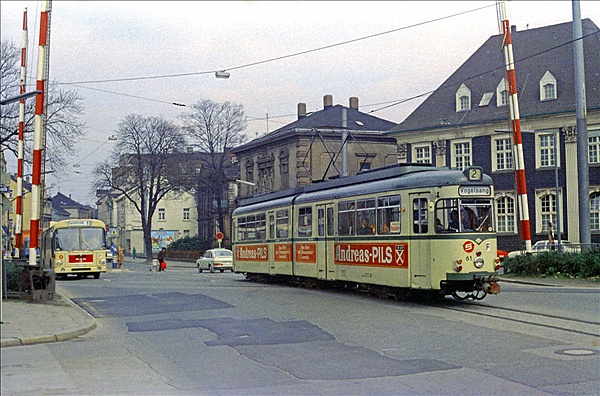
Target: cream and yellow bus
[75,247]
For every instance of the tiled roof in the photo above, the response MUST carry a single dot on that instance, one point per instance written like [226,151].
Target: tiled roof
[536,51]
[328,118]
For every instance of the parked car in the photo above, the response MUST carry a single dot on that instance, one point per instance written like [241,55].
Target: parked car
[215,259]
[544,246]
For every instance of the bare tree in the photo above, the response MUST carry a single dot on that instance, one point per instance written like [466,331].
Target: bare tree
[63,126]
[215,128]
[142,165]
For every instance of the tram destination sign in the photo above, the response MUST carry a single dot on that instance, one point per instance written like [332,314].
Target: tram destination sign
[468,191]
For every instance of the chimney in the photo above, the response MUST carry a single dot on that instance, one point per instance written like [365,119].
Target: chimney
[353,102]
[301,110]
[513,28]
[327,101]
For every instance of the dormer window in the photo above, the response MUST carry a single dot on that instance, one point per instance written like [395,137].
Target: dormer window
[463,98]
[502,93]
[548,87]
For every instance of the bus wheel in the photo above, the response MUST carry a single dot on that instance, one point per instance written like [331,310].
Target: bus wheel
[97,275]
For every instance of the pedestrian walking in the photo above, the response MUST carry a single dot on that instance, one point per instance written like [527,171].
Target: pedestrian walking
[120,257]
[133,253]
[162,255]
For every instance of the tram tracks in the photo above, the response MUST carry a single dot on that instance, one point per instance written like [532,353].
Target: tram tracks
[524,317]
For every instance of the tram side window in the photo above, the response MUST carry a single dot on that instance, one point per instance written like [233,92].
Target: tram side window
[282,223]
[241,226]
[271,226]
[365,211]
[305,221]
[261,226]
[330,222]
[321,222]
[388,215]
[420,225]
[446,216]
[251,227]
[346,218]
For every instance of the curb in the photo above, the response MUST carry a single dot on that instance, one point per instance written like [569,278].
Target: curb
[47,339]
[68,335]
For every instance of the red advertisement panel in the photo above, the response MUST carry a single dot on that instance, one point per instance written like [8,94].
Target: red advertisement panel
[252,253]
[375,254]
[282,252]
[306,252]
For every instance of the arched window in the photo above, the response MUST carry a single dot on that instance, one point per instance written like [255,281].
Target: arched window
[502,93]
[463,98]
[595,211]
[506,218]
[548,87]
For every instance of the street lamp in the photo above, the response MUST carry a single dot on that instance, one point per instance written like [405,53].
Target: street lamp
[222,74]
[19,97]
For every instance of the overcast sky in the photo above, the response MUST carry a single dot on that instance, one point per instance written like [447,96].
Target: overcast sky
[111,40]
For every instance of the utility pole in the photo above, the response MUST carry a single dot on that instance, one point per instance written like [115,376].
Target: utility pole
[583,171]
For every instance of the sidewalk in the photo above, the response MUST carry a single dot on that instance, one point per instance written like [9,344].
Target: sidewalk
[27,323]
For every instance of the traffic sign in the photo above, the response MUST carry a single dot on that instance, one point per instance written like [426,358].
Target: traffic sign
[4,189]
[220,236]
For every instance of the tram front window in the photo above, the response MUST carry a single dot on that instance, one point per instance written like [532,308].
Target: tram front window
[464,215]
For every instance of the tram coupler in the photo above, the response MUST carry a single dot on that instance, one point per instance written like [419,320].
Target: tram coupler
[491,287]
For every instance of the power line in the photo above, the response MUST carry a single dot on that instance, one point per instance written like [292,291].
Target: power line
[283,56]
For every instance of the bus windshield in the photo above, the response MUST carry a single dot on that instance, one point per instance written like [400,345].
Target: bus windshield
[464,215]
[79,239]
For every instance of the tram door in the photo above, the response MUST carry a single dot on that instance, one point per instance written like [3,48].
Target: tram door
[420,249]
[325,240]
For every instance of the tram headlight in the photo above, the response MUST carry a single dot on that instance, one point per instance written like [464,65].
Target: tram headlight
[478,262]
[102,261]
[58,262]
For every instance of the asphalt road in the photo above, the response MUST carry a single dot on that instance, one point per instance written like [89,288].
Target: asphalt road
[181,332]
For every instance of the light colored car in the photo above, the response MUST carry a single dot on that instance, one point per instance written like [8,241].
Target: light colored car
[215,259]
[545,246]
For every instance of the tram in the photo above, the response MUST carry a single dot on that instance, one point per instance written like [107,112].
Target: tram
[75,247]
[401,228]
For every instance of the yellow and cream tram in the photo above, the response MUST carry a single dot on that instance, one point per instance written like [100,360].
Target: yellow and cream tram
[400,227]
[75,247]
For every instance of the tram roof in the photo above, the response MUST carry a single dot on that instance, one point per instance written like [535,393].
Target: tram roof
[397,176]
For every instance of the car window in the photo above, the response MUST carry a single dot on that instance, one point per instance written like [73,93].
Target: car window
[224,254]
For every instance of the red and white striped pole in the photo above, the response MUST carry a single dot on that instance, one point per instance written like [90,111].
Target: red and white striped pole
[38,133]
[19,200]
[516,129]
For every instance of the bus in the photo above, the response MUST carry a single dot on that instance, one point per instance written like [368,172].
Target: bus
[401,227]
[75,247]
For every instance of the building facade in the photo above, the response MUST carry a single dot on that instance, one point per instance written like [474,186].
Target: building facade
[466,121]
[310,149]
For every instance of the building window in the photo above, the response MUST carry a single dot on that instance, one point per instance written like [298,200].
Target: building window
[595,211]
[363,165]
[461,155]
[505,214]
[546,204]
[186,233]
[161,214]
[594,148]
[502,154]
[284,169]
[548,87]
[502,93]
[186,213]
[421,154]
[545,150]
[463,98]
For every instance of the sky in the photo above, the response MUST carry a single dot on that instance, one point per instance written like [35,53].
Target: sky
[278,54]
